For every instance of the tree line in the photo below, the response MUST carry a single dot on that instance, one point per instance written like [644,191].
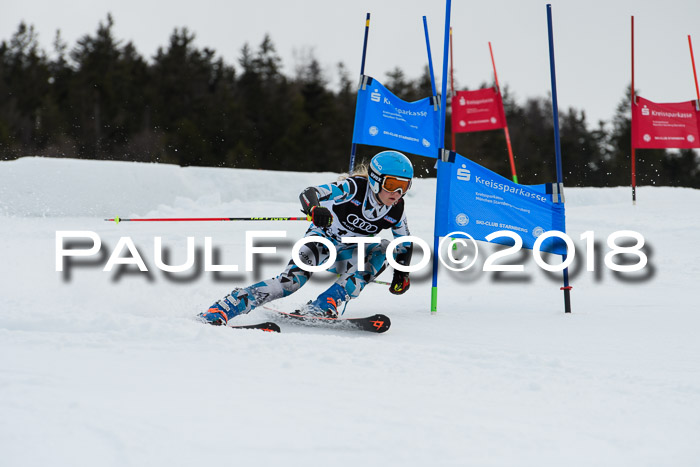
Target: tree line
[101,99]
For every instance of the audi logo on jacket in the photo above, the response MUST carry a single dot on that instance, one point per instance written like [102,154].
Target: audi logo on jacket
[356,211]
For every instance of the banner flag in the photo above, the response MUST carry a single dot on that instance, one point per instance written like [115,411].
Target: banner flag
[662,126]
[477,201]
[382,119]
[477,111]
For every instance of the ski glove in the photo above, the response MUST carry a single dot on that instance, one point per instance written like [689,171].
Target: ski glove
[321,217]
[400,284]
[308,199]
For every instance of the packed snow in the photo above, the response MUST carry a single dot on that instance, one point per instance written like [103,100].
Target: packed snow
[112,369]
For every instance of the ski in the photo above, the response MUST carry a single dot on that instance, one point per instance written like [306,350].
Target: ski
[376,323]
[268,327]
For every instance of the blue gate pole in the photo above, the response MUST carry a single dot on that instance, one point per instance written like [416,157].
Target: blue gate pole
[353,150]
[557,148]
[430,56]
[441,147]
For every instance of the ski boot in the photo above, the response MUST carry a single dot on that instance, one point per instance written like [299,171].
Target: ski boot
[232,305]
[327,304]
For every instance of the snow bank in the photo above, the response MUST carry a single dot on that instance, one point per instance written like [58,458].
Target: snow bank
[41,187]
[44,187]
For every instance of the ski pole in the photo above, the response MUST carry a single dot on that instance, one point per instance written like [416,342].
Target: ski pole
[377,282]
[118,219]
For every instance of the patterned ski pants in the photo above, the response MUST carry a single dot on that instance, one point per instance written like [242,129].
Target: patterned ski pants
[314,254]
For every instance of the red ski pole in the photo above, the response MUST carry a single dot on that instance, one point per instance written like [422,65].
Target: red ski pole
[118,219]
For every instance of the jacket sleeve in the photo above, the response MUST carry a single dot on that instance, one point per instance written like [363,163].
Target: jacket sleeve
[404,251]
[336,192]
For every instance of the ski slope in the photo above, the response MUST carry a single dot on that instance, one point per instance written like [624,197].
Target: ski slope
[111,369]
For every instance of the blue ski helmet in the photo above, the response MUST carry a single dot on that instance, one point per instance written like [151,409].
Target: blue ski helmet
[390,170]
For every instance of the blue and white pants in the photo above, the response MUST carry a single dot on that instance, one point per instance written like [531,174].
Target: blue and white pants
[313,254]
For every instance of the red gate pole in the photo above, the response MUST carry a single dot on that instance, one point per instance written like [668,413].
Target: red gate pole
[510,148]
[633,155]
[452,94]
[695,74]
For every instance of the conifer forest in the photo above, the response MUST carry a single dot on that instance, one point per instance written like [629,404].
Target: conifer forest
[101,99]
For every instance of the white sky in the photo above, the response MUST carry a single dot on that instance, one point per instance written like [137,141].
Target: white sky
[592,38]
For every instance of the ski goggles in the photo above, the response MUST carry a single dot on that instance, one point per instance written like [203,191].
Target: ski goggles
[393,184]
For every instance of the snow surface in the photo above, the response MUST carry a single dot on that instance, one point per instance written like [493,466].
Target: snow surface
[110,368]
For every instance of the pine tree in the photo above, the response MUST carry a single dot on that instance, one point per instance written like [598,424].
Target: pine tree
[24,83]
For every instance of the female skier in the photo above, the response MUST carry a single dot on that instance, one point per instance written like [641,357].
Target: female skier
[360,205]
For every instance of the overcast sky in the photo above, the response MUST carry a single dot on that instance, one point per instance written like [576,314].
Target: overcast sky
[592,38]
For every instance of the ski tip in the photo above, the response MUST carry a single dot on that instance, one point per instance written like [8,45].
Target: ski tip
[267,327]
[380,322]
[377,323]
[271,327]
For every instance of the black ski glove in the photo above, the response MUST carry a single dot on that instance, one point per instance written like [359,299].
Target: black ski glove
[400,284]
[308,199]
[321,217]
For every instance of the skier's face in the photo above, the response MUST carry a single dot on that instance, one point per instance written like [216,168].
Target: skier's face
[389,198]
